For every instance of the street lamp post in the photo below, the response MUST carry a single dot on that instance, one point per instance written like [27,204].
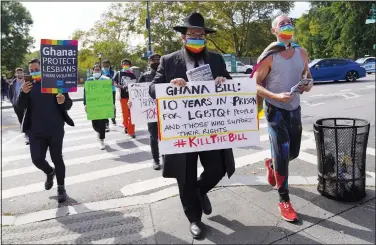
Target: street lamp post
[148,26]
[100,59]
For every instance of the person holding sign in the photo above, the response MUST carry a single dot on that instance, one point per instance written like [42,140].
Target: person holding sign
[183,167]
[98,125]
[109,72]
[281,71]
[122,79]
[152,126]
[44,119]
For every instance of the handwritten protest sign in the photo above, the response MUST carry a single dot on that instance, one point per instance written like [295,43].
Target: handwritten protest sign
[143,108]
[59,66]
[99,101]
[203,116]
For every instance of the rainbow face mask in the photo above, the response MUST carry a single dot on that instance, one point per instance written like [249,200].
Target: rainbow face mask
[125,67]
[195,45]
[286,32]
[36,76]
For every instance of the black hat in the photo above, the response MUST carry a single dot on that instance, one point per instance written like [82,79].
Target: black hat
[155,55]
[194,20]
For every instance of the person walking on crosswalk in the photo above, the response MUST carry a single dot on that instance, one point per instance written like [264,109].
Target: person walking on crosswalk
[14,91]
[121,79]
[44,119]
[98,125]
[282,65]
[152,126]
[109,72]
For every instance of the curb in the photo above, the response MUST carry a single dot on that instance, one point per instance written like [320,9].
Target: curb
[129,201]
[10,106]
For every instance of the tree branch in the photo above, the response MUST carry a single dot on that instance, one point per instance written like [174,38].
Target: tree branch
[221,50]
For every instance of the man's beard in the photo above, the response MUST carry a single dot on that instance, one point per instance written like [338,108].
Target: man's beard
[196,56]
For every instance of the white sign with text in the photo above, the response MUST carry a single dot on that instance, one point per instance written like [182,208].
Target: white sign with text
[203,116]
[143,108]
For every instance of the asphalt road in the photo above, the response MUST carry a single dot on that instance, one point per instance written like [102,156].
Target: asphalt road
[125,167]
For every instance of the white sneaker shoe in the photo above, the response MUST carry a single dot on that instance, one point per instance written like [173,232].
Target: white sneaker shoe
[27,139]
[101,144]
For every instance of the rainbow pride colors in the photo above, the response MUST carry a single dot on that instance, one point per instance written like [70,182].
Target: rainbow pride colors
[195,45]
[36,76]
[58,90]
[287,32]
[59,42]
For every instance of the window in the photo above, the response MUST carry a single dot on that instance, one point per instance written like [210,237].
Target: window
[370,60]
[326,63]
[340,62]
[240,64]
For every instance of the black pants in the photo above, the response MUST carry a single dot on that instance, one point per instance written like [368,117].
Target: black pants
[19,112]
[100,127]
[38,149]
[214,170]
[153,131]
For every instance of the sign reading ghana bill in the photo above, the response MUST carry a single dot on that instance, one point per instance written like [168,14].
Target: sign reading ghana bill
[59,66]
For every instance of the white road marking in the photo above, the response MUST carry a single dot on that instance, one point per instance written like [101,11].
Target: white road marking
[352,95]
[371,151]
[309,104]
[371,174]
[344,90]
[307,157]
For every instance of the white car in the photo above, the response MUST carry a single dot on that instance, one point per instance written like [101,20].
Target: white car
[367,63]
[240,67]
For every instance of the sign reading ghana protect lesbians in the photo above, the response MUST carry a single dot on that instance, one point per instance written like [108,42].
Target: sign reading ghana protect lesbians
[203,116]
[59,66]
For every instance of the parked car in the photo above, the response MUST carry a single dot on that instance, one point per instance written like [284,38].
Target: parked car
[369,63]
[336,70]
[240,67]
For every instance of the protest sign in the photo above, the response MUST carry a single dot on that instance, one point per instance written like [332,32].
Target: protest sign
[202,73]
[59,66]
[203,116]
[143,108]
[125,78]
[99,100]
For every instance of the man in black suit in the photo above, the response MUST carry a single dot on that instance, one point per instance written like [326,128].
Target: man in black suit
[183,167]
[44,119]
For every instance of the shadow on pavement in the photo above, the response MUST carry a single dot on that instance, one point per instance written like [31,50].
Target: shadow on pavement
[335,208]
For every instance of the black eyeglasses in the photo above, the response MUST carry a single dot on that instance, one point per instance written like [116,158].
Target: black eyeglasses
[194,36]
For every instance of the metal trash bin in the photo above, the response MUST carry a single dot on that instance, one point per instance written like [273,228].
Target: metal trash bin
[341,145]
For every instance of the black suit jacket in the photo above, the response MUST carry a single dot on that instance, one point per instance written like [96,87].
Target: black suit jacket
[174,66]
[23,103]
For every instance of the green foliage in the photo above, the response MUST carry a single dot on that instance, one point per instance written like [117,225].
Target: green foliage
[336,29]
[15,38]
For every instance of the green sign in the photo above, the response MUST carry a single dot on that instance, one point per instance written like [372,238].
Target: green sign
[99,100]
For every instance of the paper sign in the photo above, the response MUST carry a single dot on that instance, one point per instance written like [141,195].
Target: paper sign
[59,66]
[202,73]
[99,100]
[143,108]
[203,116]
[302,83]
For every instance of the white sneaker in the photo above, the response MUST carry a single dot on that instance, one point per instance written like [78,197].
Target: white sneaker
[27,139]
[101,144]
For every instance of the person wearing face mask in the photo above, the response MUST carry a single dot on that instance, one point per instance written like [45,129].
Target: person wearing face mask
[153,126]
[108,72]
[183,167]
[98,125]
[121,80]
[14,91]
[44,119]
[280,67]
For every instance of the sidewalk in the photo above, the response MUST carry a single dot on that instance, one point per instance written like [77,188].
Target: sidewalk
[241,214]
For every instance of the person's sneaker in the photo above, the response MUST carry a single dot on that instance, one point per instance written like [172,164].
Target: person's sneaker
[27,139]
[49,180]
[125,130]
[133,136]
[113,122]
[270,172]
[107,128]
[156,165]
[61,194]
[101,145]
[287,212]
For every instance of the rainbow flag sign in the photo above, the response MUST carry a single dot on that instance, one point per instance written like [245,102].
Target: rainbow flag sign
[59,68]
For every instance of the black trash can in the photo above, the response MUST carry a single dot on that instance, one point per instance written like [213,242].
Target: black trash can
[341,145]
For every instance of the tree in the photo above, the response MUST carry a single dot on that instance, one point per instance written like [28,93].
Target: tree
[336,29]
[15,38]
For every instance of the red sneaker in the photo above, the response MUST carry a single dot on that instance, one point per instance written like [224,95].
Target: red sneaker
[287,212]
[270,172]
